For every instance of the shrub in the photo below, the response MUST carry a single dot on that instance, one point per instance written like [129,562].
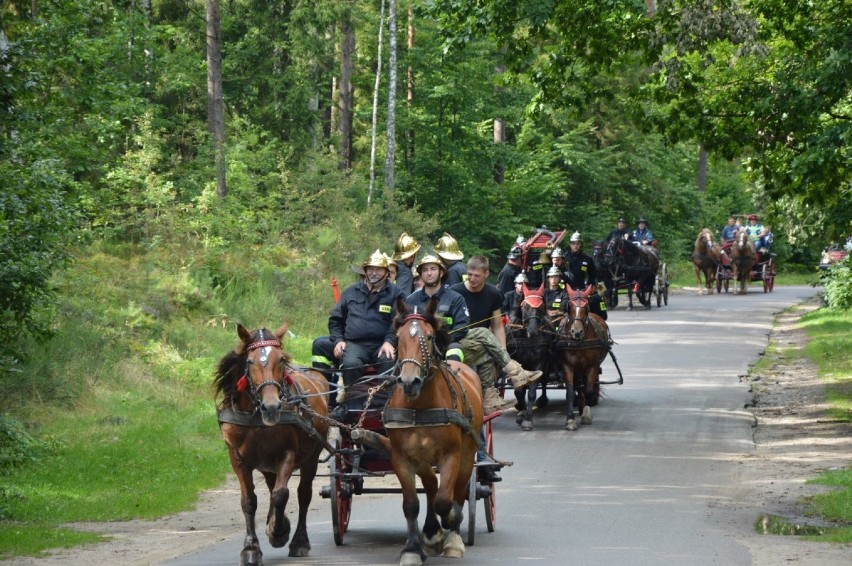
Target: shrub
[837,285]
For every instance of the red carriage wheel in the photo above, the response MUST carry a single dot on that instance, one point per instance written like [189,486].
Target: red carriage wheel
[471,507]
[341,498]
[491,500]
[764,276]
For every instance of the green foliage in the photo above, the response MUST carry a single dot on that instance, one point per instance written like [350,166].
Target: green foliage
[837,285]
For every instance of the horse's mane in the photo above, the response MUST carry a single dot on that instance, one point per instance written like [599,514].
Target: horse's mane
[229,368]
[700,237]
[442,337]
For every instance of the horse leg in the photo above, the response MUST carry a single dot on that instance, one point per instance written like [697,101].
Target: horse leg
[570,423]
[277,523]
[698,277]
[448,502]
[433,534]
[251,554]
[300,546]
[590,395]
[412,552]
[521,396]
[526,414]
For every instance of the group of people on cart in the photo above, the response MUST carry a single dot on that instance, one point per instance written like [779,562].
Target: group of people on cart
[760,235]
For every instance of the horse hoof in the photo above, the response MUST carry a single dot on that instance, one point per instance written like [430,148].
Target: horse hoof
[410,559]
[527,425]
[570,424]
[299,551]
[587,416]
[434,545]
[520,419]
[251,557]
[454,547]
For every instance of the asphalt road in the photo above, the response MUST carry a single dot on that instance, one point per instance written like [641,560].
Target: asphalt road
[637,486]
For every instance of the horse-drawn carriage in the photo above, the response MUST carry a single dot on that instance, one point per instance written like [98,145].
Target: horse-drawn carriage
[740,260]
[624,265]
[568,347]
[359,459]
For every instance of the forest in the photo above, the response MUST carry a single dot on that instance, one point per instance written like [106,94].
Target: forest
[170,167]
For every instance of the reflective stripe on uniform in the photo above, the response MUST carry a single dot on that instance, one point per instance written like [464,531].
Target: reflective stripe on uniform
[456,352]
[321,360]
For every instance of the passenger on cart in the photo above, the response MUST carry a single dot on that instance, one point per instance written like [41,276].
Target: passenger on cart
[361,324]
[582,273]
[642,235]
[507,275]
[536,271]
[558,259]
[619,232]
[404,252]
[485,342]
[512,300]
[554,296]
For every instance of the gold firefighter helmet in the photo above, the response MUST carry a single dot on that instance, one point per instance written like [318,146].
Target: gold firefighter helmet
[376,259]
[448,248]
[406,247]
[429,258]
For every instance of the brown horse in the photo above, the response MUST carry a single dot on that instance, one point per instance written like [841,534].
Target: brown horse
[433,418]
[743,258]
[706,257]
[582,343]
[272,418]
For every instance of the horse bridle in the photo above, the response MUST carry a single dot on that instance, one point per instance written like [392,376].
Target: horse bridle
[425,351]
[568,320]
[264,344]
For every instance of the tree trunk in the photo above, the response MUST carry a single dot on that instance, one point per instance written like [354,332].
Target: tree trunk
[215,104]
[702,169]
[389,161]
[347,49]
[499,130]
[410,96]
[650,8]
[376,107]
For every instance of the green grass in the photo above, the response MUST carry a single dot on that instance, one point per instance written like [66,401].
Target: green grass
[682,274]
[830,347]
[32,539]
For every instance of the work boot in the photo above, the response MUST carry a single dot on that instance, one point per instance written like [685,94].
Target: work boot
[519,376]
[493,402]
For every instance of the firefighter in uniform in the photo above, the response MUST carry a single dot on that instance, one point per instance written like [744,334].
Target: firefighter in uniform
[582,272]
[554,295]
[403,255]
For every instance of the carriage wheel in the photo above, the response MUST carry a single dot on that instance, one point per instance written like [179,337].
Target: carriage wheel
[764,276]
[491,500]
[771,275]
[341,502]
[719,280]
[727,282]
[665,269]
[658,290]
[471,507]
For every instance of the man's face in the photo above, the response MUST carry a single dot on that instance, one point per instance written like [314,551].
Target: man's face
[620,225]
[375,274]
[430,274]
[575,246]
[476,278]
[730,221]
[559,261]
[641,225]
[553,280]
[519,288]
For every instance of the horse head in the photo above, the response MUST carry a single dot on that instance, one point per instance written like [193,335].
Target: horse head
[533,310]
[417,333]
[265,370]
[742,244]
[704,242]
[578,311]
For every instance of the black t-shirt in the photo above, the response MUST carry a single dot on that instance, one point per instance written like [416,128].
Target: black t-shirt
[480,305]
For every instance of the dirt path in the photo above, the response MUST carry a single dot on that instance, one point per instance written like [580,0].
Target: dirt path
[794,439]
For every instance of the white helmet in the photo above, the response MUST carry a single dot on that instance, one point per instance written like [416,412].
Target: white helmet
[521,278]
[557,252]
[554,272]
[576,237]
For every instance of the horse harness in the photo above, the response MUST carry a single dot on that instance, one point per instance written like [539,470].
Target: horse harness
[394,417]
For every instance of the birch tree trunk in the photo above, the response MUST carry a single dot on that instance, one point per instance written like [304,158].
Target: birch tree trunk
[215,104]
[376,107]
[347,48]
[389,161]
[410,97]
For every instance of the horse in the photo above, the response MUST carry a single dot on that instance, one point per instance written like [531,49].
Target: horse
[743,256]
[528,343]
[582,343]
[705,258]
[605,274]
[272,418]
[637,264]
[433,418]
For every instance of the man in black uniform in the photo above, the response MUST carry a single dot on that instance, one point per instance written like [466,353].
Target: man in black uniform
[582,272]
[619,232]
[361,323]
[507,275]
[554,296]
[448,250]
[513,299]
[403,255]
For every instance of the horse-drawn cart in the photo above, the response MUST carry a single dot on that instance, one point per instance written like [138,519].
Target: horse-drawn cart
[764,271]
[359,463]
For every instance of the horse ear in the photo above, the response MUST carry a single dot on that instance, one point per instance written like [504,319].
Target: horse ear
[432,306]
[526,290]
[401,307]
[540,289]
[244,334]
[570,288]
[281,332]
[588,290]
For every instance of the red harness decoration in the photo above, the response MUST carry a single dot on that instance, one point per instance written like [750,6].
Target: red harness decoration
[242,383]
[263,343]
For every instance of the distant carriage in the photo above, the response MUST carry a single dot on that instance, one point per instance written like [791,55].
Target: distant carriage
[636,268]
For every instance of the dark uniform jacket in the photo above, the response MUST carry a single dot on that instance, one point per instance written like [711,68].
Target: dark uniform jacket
[456,273]
[511,302]
[361,316]
[506,278]
[616,234]
[554,299]
[404,278]
[452,310]
[581,270]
